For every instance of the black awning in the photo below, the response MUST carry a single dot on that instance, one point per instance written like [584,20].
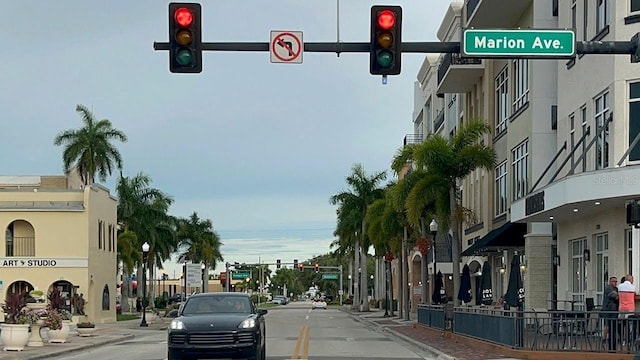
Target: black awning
[509,235]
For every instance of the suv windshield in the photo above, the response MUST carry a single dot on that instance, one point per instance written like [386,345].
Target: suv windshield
[217,304]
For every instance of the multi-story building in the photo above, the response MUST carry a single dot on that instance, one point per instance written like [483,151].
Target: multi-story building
[59,233]
[596,175]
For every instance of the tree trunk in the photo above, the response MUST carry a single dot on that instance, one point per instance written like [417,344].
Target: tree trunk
[124,289]
[405,275]
[455,247]
[390,270]
[401,280]
[424,270]
[363,275]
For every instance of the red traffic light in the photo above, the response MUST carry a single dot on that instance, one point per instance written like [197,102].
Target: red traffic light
[386,19]
[183,16]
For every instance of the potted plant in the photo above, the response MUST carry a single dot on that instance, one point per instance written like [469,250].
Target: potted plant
[57,307]
[36,318]
[15,330]
[36,299]
[85,328]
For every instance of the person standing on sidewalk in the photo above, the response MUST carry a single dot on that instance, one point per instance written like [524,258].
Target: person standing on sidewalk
[626,292]
[610,304]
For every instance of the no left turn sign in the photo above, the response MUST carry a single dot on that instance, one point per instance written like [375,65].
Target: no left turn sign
[286,47]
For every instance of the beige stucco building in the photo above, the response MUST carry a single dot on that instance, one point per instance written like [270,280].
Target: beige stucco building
[60,233]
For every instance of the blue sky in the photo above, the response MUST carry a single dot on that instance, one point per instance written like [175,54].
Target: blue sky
[256,147]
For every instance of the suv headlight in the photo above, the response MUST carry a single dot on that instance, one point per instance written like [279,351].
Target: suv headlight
[176,325]
[248,324]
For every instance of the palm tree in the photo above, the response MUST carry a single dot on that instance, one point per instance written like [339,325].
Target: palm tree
[198,242]
[89,149]
[142,210]
[353,204]
[446,163]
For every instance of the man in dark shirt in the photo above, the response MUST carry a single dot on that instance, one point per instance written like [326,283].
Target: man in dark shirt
[610,303]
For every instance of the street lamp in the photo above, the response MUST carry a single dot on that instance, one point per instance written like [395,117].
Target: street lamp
[433,227]
[372,287]
[145,250]
[203,266]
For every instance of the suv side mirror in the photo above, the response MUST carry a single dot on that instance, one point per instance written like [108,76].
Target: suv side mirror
[262,311]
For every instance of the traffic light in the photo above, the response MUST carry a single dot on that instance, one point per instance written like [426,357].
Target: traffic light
[185,38]
[301,267]
[295,263]
[317,267]
[278,264]
[386,40]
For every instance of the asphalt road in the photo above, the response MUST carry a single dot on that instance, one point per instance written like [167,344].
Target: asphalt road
[294,331]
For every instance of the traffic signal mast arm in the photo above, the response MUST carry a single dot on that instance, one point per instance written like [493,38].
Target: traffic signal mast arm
[582,47]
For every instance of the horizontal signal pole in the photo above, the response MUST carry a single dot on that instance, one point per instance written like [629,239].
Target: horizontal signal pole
[582,47]
[327,47]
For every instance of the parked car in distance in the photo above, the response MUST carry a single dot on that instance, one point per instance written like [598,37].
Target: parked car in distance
[175,298]
[218,325]
[280,300]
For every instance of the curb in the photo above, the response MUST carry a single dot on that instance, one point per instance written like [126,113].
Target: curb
[431,351]
[85,346]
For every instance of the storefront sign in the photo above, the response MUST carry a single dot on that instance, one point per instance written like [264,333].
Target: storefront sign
[534,203]
[22,262]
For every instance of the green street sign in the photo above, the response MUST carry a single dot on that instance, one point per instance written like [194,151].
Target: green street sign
[239,275]
[528,43]
[329,276]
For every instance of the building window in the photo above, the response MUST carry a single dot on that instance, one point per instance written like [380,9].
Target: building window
[452,112]
[429,118]
[602,264]
[110,237]
[521,82]
[99,234]
[502,100]
[574,16]
[602,16]
[635,5]
[578,280]
[501,188]
[634,113]
[602,143]
[8,238]
[585,20]
[583,111]
[519,171]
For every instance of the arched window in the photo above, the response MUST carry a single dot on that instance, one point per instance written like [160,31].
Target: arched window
[105,298]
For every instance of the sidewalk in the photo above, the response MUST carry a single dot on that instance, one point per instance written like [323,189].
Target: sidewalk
[442,345]
[105,334]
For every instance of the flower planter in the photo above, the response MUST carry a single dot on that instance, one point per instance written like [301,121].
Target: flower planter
[35,339]
[14,336]
[37,305]
[85,331]
[60,336]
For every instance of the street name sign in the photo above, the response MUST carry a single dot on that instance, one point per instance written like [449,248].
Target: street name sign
[520,43]
[330,276]
[239,275]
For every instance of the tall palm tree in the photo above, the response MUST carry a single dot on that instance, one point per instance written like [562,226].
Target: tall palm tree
[89,149]
[364,190]
[446,163]
[198,242]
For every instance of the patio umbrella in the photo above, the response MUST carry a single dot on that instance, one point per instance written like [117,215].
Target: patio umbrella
[439,296]
[464,294]
[485,284]
[515,290]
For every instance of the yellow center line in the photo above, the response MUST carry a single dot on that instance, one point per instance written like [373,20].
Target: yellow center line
[305,346]
[301,335]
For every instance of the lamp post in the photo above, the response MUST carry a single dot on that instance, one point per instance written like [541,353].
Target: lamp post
[372,287]
[145,250]
[433,227]
[203,267]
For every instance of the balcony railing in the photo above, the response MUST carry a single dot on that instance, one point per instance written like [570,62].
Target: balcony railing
[412,139]
[21,246]
[471,7]
[454,59]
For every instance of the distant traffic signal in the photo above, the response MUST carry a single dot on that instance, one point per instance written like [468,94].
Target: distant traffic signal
[295,263]
[317,267]
[386,40]
[185,38]
[278,264]
[301,267]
